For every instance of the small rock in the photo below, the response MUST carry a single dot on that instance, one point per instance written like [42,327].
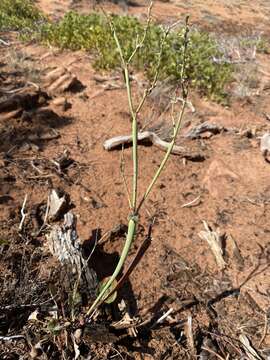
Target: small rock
[219,178]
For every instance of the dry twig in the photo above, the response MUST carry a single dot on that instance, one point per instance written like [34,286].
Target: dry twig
[192,203]
[252,354]
[23,213]
[13,337]
[162,318]
[189,333]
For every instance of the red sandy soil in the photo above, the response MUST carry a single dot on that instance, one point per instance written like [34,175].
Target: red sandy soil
[232,183]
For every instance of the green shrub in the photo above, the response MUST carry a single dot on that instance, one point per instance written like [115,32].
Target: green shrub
[92,33]
[19,15]
[261,44]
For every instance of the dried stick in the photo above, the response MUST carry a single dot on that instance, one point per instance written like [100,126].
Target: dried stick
[213,352]
[23,213]
[162,318]
[264,331]
[13,337]
[189,333]
[191,203]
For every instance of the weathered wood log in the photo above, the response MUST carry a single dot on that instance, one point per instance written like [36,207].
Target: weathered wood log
[65,245]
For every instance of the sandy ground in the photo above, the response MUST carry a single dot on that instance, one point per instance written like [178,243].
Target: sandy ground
[231,184]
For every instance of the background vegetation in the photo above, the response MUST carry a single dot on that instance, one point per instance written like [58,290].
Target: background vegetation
[92,33]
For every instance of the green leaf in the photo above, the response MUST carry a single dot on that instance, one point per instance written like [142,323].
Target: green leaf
[113,296]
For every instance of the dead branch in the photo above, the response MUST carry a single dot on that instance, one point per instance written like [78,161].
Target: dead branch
[5,43]
[154,139]
[264,330]
[162,318]
[197,130]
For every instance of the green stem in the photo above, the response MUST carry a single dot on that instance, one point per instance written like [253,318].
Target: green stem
[132,225]
[166,157]
[134,139]
[178,123]
[134,121]
[133,221]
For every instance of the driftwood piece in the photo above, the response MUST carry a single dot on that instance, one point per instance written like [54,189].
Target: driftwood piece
[65,245]
[196,131]
[115,142]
